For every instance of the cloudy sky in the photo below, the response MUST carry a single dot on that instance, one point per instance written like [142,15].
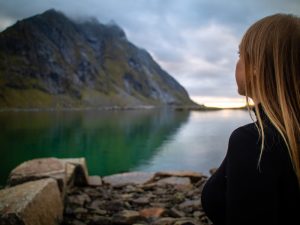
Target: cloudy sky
[196,41]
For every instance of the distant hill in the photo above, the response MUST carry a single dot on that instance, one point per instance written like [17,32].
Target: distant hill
[51,61]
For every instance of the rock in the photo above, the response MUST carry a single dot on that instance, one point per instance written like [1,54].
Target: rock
[100,220]
[78,222]
[190,203]
[176,213]
[79,199]
[32,203]
[96,204]
[94,181]
[126,196]
[187,221]
[64,171]
[38,169]
[141,200]
[178,197]
[198,214]
[175,181]
[76,171]
[130,188]
[166,200]
[164,221]
[152,212]
[126,217]
[80,210]
[201,184]
[128,178]
[99,212]
[115,205]
[158,204]
[194,176]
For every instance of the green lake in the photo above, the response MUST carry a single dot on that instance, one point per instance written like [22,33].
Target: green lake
[119,141]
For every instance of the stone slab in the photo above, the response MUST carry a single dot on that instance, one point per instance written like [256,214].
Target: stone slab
[194,176]
[38,169]
[32,203]
[66,172]
[94,181]
[175,181]
[128,178]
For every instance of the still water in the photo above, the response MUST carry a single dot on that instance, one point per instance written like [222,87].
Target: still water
[120,141]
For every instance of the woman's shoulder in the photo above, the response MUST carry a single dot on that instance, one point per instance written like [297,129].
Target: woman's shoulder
[245,145]
[248,132]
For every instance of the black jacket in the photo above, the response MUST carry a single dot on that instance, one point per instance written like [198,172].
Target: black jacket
[240,193]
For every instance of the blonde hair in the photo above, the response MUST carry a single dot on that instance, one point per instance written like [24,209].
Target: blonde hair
[270,50]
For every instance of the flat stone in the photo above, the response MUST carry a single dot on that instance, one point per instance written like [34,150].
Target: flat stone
[176,213]
[152,212]
[175,181]
[126,217]
[94,181]
[32,203]
[38,169]
[141,200]
[96,204]
[164,221]
[194,176]
[187,221]
[190,203]
[128,178]
[198,214]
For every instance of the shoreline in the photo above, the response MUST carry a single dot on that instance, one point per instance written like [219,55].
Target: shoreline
[74,197]
[119,108]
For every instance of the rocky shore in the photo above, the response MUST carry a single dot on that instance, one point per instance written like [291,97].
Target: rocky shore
[60,191]
[166,199]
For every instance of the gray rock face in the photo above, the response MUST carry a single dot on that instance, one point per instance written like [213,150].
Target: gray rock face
[32,203]
[70,63]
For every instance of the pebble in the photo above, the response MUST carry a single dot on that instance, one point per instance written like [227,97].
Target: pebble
[159,202]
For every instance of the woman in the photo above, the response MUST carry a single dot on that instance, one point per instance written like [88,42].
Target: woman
[258,182]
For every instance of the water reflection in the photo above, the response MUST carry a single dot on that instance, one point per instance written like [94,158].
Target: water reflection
[200,144]
[111,141]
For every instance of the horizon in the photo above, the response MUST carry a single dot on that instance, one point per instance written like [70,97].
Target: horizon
[196,42]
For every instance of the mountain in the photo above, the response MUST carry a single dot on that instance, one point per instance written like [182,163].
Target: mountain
[51,61]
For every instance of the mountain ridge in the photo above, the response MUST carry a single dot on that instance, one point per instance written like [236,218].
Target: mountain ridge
[51,61]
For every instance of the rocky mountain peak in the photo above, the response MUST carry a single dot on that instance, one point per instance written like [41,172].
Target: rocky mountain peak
[49,60]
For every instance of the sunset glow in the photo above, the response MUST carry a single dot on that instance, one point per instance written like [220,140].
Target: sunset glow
[220,102]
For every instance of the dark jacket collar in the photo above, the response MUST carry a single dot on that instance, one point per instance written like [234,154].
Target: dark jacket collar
[262,113]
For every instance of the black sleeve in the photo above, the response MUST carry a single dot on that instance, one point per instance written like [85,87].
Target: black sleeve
[251,196]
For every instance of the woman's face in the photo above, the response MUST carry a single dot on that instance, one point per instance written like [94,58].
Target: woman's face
[240,76]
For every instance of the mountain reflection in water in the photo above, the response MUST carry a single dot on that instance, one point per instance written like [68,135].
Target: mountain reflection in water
[119,141]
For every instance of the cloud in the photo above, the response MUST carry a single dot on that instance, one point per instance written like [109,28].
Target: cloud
[194,40]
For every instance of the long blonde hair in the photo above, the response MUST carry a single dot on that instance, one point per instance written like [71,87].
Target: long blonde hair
[271,54]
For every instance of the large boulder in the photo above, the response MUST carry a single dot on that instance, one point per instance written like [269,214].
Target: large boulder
[64,171]
[32,203]
[38,169]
